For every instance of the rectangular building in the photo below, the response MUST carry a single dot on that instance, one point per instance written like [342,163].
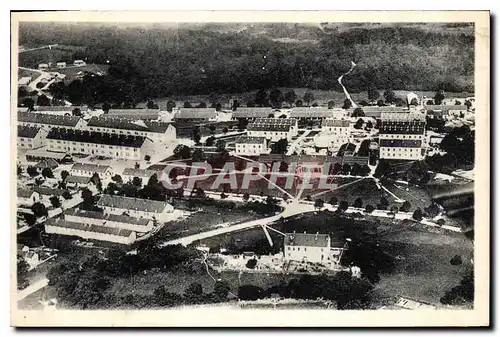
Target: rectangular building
[273,129]
[134,114]
[88,170]
[335,133]
[130,173]
[98,143]
[251,146]
[89,231]
[402,136]
[195,115]
[49,121]
[159,132]
[141,225]
[31,137]
[250,114]
[135,207]
[27,197]
[315,248]
[75,182]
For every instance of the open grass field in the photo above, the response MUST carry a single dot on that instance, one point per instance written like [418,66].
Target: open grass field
[72,72]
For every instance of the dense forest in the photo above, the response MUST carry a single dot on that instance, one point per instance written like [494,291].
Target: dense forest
[160,61]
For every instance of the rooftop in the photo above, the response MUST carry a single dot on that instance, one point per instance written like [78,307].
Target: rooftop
[271,124]
[311,112]
[90,167]
[24,131]
[250,140]
[140,173]
[49,191]
[78,179]
[61,108]
[41,118]
[24,192]
[307,240]
[134,113]
[96,137]
[445,107]
[145,205]
[399,127]
[49,162]
[108,217]
[58,222]
[193,113]
[128,124]
[243,112]
[337,123]
[43,153]
[400,143]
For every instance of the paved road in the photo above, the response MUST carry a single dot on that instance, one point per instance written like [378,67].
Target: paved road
[40,284]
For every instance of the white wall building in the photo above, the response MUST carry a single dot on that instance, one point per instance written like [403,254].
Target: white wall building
[402,136]
[101,144]
[158,132]
[273,129]
[335,133]
[135,207]
[129,174]
[89,231]
[27,197]
[49,121]
[88,170]
[315,248]
[251,146]
[30,137]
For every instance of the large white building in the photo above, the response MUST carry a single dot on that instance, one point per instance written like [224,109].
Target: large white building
[134,114]
[135,207]
[195,115]
[250,114]
[335,133]
[98,143]
[402,136]
[49,121]
[88,170]
[30,137]
[273,129]
[90,231]
[159,132]
[315,248]
[141,225]
[251,146]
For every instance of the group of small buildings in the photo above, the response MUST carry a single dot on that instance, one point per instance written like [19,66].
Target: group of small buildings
[61,64]
[122,220]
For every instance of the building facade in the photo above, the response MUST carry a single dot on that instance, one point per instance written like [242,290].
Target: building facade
[251,146]
[402,136]
[101,144]
[335,133]
[314,248]
[130,173]
[135,207]
[140,225]
[31,137]
[49,121]
[158,132]
[273,129]
[88,170]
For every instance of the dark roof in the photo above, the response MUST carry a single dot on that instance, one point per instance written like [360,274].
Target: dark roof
[252,112]
[355,160]
[144,205]
[58,222]
[311,113]
[49,162]
[308,240]
[24,193]
[90,167]
[128,124]
[43,153]
[41,118]
[400,143]
[271,124]
[108,217]
[250,140]
[49,191]
[376,111]
[134,113]
[402,127]
[96,137]
[27,131]
[195,113]
[78,179]
[139,173]
[337,123]
[69,109]
[445,107]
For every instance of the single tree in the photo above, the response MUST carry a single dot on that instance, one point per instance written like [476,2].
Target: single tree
[39,209]
[358,112]
[246,196]
[54,200]
[210,141]
[333,200]
[198,155]
[218,107]
[389,96]
[276,98]
[220,145]
[280,146]
[347,104]
[117,179]
[308,97]
[359,124]
[182,152]
[369,208]
[343,206]
[202,105]
[417,214]
[439,97]
[187,105]
[318,203]
[106,107]
[414,102]
[43,100]
[225,130]
[380,103]
[147,157]
[212,129]
[64,175]
[67,196]
[373,94]
[358,203]
[299,103]
[77,112]
[137,182]
[261,98]
[290,97]
[221,290]
[468,104]
[406,206]
[47,172]
[331,104]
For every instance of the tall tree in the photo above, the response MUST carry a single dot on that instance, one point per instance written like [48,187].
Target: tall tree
[438,97]
[347,104]
[290,97]
[187,105]
[261,98]
[373,94]
[276,98]
[299,103]
[308,97]
[43,100]
[389,96]
[331,104]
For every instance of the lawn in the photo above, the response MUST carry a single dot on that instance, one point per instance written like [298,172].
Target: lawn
[423,270]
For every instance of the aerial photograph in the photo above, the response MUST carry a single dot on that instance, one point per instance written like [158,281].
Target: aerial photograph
[253,165]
